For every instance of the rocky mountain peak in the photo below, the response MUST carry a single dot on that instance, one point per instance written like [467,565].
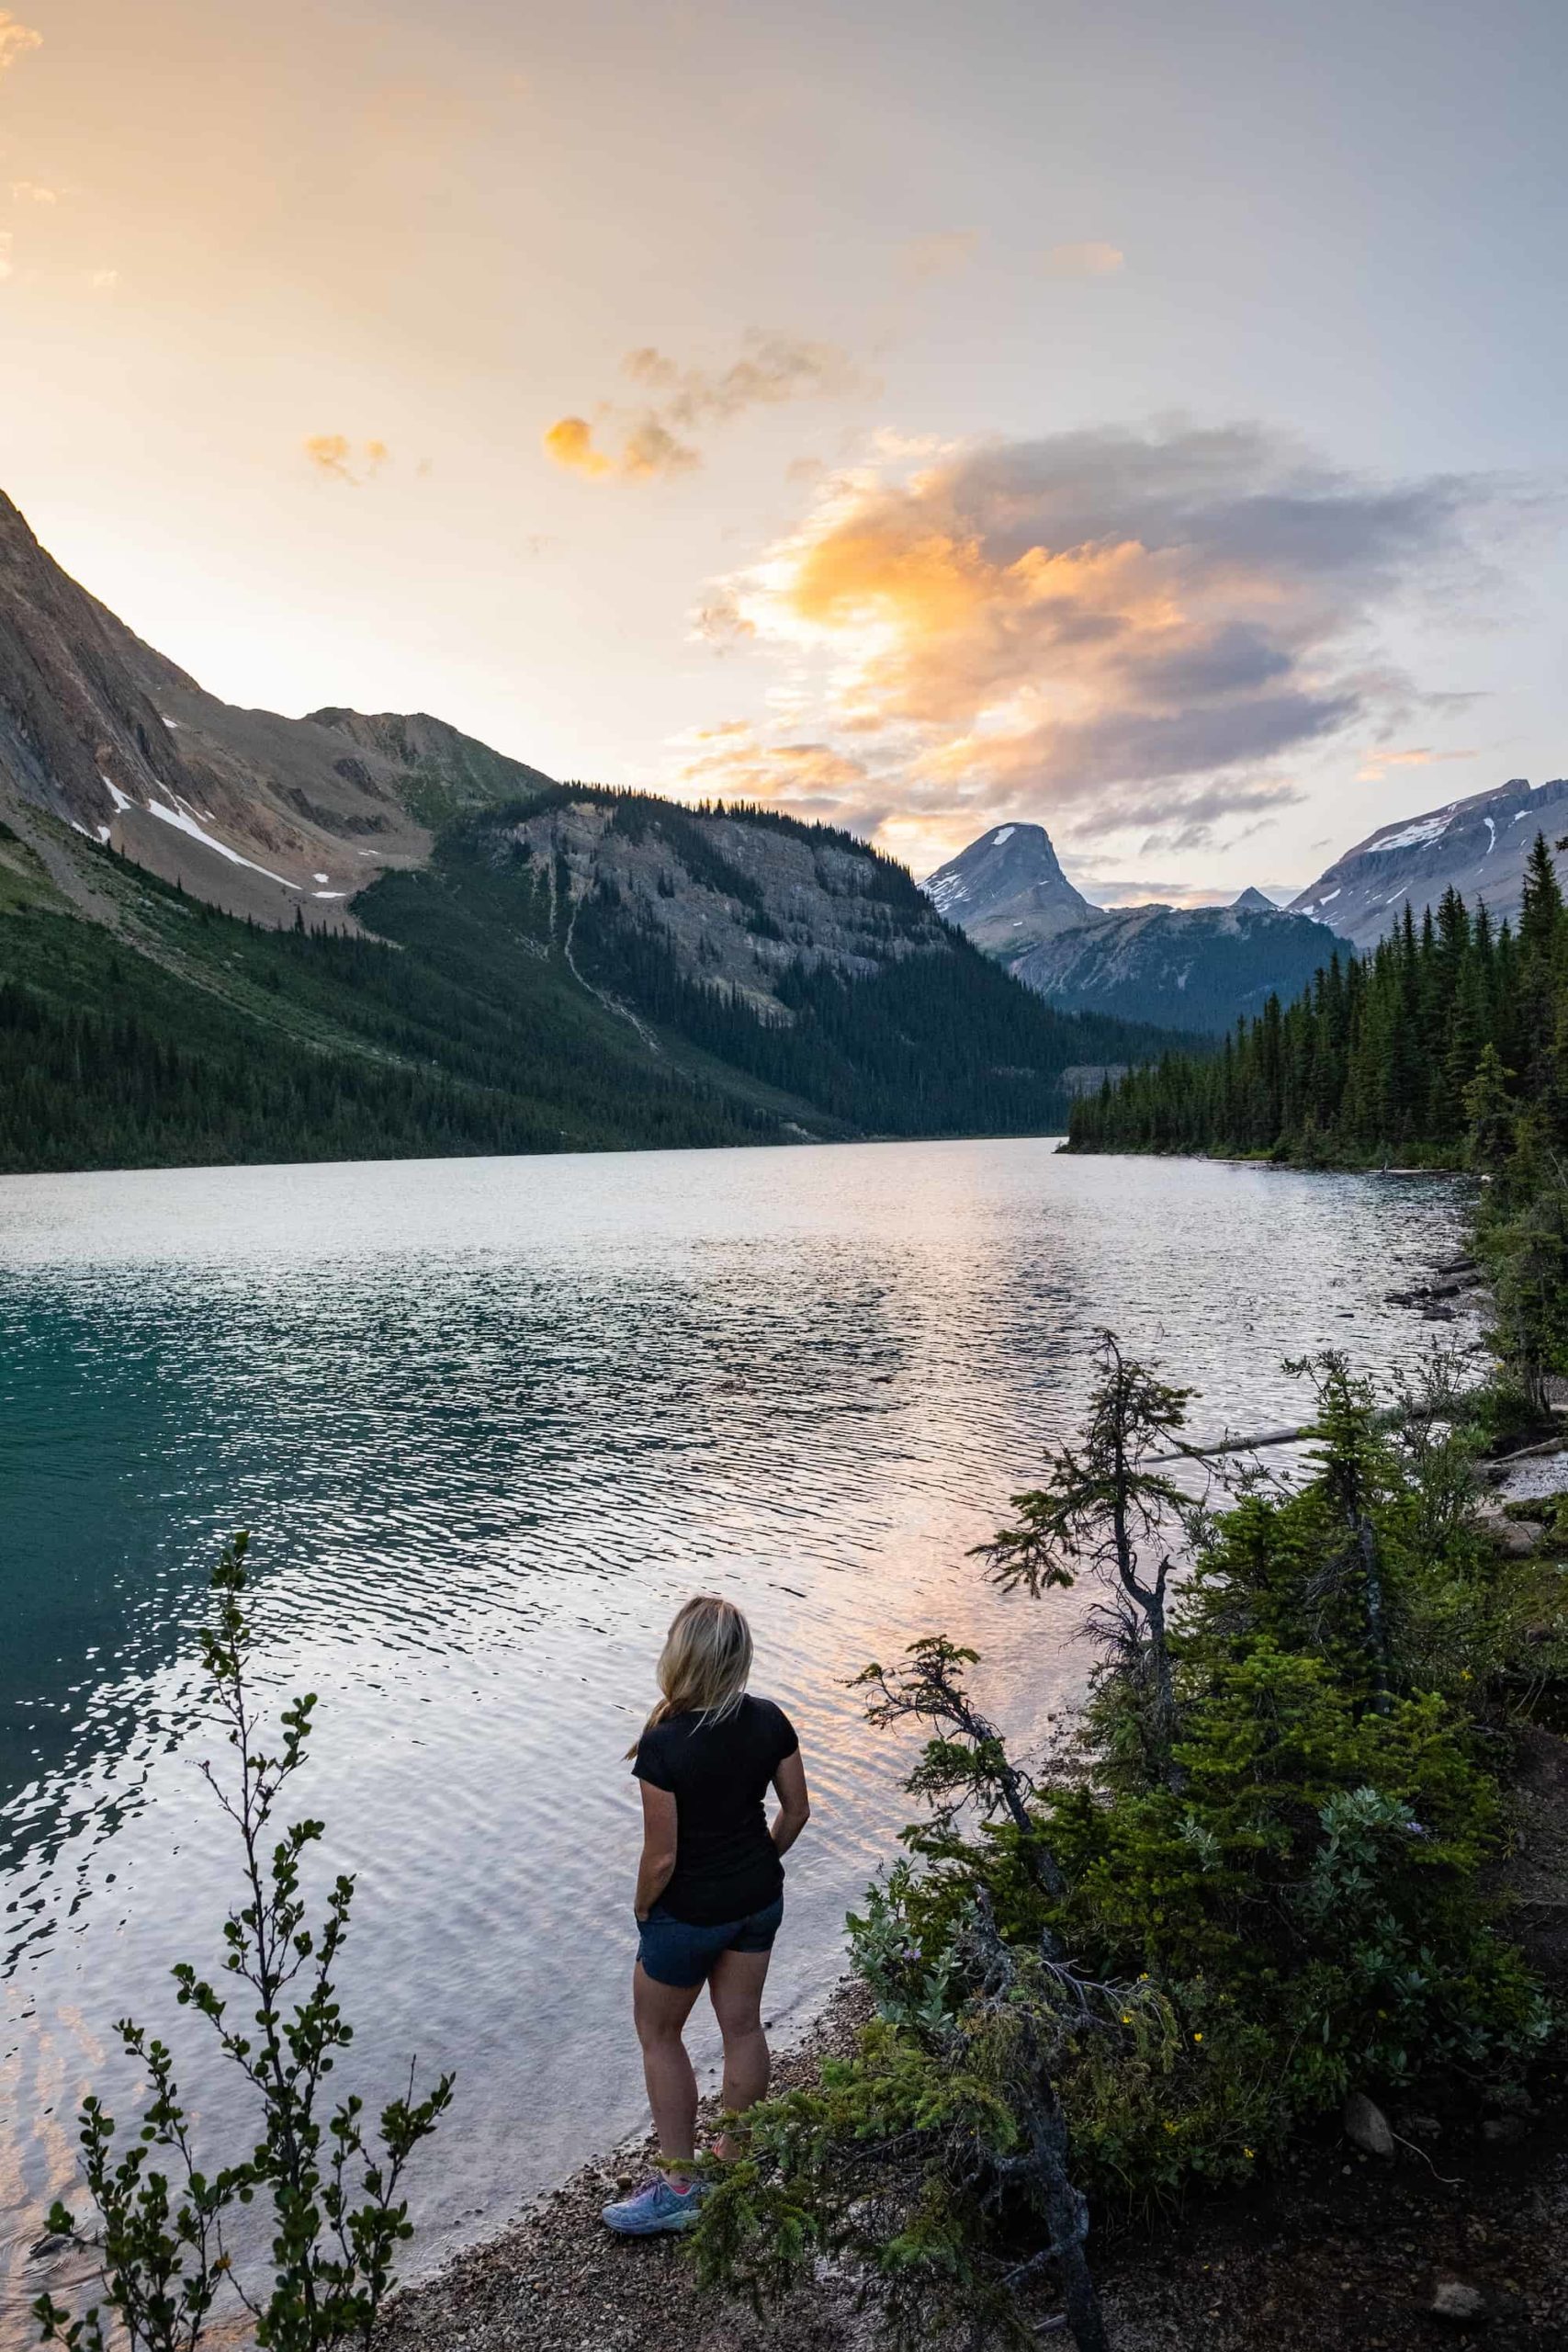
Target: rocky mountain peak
[1477,846]
[1255,901]
[1007,891]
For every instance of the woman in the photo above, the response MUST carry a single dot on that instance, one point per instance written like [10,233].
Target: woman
[710,1887]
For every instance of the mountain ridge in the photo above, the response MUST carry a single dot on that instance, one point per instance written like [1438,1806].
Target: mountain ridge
[1200,967]
[1477,846]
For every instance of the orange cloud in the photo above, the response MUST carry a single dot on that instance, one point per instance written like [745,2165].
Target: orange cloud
[30,192]
[655,440]
[333,454]
[569,441]
[15,40]
[1090,260]
[648,449]
[1129,633]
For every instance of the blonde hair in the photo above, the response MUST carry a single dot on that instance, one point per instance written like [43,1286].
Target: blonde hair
[704,1666]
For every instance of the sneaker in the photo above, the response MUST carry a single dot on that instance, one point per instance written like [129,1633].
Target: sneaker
[658,2207]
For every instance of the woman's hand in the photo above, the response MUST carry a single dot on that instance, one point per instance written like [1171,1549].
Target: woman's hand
[658,1864]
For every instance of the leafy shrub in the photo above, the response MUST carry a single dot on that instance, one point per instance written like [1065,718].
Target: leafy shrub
[338,2217]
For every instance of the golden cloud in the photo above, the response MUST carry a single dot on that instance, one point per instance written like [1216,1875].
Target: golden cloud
[333,455]
[653,441]
[1093,259]
[648,449]
[569,441]
[15,40]
[1128,632]
[31,192]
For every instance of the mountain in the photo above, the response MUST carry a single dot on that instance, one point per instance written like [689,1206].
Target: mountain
[1199,966]
[229,935]
[1007,891]
[1477,846]
[254,812]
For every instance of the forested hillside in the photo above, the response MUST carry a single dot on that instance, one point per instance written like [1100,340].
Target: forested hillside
[1423,1051]
[510,995]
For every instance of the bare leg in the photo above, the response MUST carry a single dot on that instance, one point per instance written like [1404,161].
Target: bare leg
[735,1986]
[661,2011]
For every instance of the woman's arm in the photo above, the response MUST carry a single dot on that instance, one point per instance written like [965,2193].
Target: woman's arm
[795,1805]
[658,1863]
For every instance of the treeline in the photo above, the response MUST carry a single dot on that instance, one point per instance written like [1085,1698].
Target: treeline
[1421,1052]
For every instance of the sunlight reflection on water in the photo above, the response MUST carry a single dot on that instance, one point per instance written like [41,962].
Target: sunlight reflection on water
[490,1420]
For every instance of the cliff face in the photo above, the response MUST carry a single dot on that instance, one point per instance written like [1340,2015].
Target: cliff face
[1007,891]
[254,812]
[1196,967]
[1477,846]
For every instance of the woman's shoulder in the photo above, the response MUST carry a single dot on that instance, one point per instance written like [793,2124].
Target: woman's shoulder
[768,1716]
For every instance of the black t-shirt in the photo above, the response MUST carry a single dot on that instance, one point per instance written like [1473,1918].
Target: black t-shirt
[726,1866]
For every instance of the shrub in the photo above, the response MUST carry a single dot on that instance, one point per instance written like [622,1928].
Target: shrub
[338,2217]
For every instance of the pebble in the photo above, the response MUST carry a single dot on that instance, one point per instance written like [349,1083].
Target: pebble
[1456,2298]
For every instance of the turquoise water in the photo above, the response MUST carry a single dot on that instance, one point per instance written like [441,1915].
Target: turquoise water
[488,1421]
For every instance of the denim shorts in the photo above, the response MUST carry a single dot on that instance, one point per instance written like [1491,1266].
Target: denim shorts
[673,1951]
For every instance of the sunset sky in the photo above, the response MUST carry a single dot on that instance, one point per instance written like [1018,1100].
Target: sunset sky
[1144,418]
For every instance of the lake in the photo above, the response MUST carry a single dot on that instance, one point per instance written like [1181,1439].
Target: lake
[490,1421]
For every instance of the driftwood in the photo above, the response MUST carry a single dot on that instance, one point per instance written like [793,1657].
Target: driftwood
[1505,1462]
[1389,1418]
[1386,1420]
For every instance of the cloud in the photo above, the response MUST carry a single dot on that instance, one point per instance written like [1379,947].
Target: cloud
[15,40]
[943,254]
[31,192]
[332,456]
[730,762]
[569,441]
[655,440]
[1376,765]
[7,263]
[103,281]
[1127,634]
[1091,260]
[647,447]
